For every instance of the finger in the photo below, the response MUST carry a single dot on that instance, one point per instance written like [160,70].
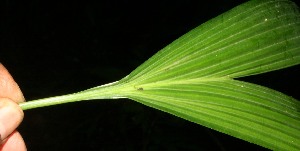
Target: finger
[14,142]
[11,116]
[8,87]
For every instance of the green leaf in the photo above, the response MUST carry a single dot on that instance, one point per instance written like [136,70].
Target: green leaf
[193,77]
[255,37]
[247,111]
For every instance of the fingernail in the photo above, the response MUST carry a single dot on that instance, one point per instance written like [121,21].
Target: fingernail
[2,141]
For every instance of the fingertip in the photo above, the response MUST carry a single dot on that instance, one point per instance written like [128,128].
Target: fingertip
[9,88]
[14,142]
[11,116]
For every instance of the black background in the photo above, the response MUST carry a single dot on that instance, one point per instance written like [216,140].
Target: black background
[59,47]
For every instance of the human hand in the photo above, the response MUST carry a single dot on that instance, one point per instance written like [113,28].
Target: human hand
[11,114]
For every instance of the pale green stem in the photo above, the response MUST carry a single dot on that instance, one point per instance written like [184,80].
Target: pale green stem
[108,91]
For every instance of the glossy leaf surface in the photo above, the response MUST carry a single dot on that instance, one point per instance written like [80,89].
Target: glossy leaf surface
[193,77]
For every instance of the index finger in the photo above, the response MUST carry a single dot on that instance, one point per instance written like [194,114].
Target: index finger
[8,87]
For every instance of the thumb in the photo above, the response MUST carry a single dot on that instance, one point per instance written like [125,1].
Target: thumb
[11,116]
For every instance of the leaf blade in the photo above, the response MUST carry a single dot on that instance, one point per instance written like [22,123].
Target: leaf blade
[256,37]
[254,116]
[224,43]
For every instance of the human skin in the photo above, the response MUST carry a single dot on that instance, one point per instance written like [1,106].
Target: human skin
[11,114]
